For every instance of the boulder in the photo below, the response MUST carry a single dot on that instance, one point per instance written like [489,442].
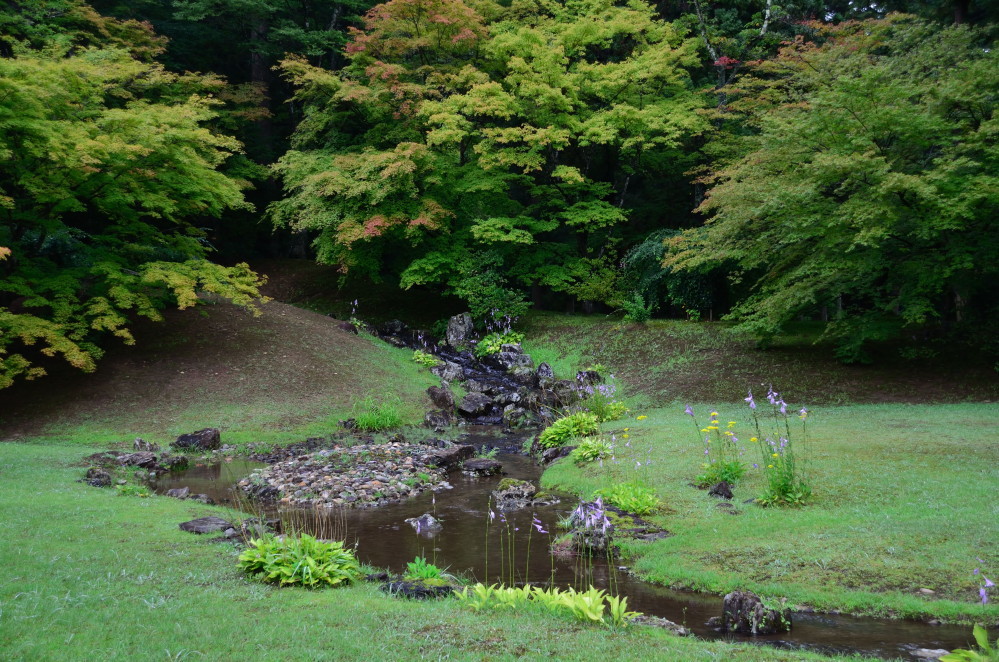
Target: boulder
[452,456]
[97,477]
[203,498]
[144,459]
[142,445]
[549,455]
[459,330]
[347,327]
[442,397]
[475,404]
[481,466]
[205,525]
[545,371]
[512,494]
[523,375]
[438,420]
[449,371]
[510,360]
[744,612]
[425,524]
[208,439]
[721,490]
[589,377]
[179,492]
[929,653]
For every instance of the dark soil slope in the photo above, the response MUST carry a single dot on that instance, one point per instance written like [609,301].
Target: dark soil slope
[215,366]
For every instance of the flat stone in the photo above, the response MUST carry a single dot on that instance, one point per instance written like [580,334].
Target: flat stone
[481,466]
[144,459]
[929,653]
[179,492]
[205,525]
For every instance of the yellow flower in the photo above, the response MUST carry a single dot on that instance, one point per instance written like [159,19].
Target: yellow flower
[775,455]
[626,429]
[642,417]
[712,427]
[770,466]
[731,424]
[729,433]
[704,429]
[714,413]
[753,439]
[624,436]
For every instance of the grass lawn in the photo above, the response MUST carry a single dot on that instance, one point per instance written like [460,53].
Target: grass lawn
[904,499]
[92,575]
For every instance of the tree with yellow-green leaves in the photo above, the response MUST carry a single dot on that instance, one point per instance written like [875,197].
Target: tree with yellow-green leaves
[108,163]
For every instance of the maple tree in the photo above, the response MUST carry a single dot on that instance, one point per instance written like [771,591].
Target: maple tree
[108,163]
[472,139]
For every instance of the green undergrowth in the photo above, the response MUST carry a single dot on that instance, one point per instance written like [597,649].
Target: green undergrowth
[902,502]
[90,575]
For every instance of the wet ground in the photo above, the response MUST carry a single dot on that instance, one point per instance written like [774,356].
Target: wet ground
[514,551]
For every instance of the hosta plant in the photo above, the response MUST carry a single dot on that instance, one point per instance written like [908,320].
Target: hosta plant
[302,560]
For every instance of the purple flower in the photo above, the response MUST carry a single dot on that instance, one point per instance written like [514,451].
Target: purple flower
[750,401]
[492,515]
[985,597]
[689,411]
[803,412]
[988,582]
[537,525]
[772,395]
[783,406]
[756,466]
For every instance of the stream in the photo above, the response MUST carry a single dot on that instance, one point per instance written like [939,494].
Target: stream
[384,540]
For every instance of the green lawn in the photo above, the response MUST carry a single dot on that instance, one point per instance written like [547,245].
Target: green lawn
[92,575]
[904,499]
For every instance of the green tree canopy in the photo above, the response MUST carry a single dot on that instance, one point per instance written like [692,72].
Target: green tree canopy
[108,162]
[467,139]
[869,185]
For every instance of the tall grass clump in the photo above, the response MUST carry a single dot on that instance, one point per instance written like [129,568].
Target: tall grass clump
[781,461]
[567,428]
[372,415]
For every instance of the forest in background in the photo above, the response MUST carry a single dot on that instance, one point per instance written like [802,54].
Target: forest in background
[772,162]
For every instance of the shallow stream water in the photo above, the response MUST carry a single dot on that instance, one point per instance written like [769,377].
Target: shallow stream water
[468,546]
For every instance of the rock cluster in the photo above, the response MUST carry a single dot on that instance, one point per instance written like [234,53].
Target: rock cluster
[358,476]
[502,388]
[99,473]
